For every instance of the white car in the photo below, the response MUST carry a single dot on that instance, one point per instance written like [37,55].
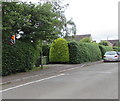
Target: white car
[111,56]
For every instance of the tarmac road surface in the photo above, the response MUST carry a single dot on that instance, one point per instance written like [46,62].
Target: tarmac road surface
[99,81]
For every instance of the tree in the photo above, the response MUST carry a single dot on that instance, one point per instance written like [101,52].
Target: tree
[37,22]
[65,27]
[105,43]
[44,21]
[69,29]
[88,40]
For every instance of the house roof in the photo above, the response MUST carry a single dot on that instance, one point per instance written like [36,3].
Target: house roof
[79,37]
[114,42]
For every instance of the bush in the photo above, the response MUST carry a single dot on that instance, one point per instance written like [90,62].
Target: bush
[105,43]
[19,57]
[74,52]
[115,48]
[89,52]
[86,40]
[104,49]
[59,52]
[84,52]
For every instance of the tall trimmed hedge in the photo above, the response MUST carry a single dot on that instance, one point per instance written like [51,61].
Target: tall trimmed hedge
[59,51]
[89,52]
[104,49]
[19,57]
[115,48]
[74,52]
[83,52]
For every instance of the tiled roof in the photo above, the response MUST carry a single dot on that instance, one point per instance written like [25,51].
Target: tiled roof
[79,37]
[114,42]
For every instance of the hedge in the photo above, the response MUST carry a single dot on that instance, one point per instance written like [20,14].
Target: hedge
[115,48]
[19,57]
[83,52]
[89,52]
[45,50]
[104,49]
[59,51]
[74,52]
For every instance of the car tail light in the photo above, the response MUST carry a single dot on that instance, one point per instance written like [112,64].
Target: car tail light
[116,56]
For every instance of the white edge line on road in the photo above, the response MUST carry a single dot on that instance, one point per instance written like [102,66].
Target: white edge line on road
[31,82]
[71,69]
[21,79]
[105,72]
[39,75]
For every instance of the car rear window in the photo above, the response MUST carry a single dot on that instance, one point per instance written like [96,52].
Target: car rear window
[118,53]
[110,53]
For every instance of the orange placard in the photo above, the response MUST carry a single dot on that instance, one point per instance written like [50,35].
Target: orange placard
[13,37]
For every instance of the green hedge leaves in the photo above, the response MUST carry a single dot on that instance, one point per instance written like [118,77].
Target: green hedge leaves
[59,51]
[19,57]
[74,52]
[22,56]
[79,52]
[83,52]
[89,52]
[104,49]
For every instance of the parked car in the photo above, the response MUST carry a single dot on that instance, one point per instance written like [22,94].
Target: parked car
[112,56]
[118,53]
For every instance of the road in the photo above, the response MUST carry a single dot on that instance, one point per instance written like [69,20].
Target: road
[99,81]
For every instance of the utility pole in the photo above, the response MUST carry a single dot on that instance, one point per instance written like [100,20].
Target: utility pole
[107,37]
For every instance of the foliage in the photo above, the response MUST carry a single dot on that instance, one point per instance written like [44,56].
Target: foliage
[66,27]
[44,21]
[59,52]
[104,49]
[35,21]
[105,43]
[74,52]
[84,52]
[115,48]
[89,52]
[87,40]
[17,58]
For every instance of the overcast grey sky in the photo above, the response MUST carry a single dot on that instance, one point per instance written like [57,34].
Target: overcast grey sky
[96,17]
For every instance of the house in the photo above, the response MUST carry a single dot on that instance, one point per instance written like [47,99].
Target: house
[112,42]
[78,37]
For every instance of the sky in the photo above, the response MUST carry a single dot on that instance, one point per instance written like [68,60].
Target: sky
[96,17]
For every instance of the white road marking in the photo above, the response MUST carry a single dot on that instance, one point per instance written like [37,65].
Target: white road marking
[106,72]
[38,75]
[31,82]
[71,69]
